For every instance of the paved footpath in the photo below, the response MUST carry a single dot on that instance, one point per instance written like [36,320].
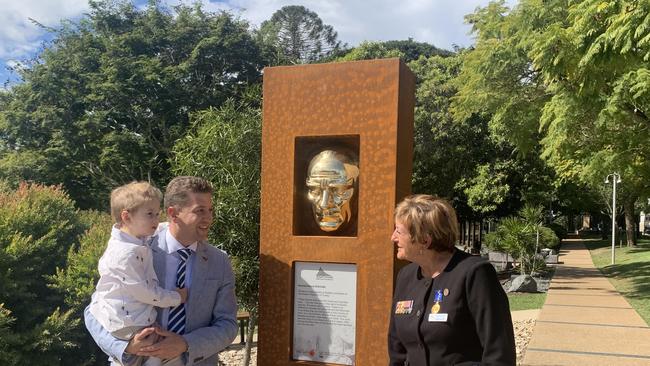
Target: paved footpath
[584,320]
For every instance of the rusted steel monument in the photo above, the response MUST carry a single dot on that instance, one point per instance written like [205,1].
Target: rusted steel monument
[337,150]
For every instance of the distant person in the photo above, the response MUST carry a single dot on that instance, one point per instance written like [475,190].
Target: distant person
[449,307]
[192,333]
[127,291]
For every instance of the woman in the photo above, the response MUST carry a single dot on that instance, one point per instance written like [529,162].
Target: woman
[448,308]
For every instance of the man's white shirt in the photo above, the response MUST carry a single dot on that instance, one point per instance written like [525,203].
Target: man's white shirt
[171,266]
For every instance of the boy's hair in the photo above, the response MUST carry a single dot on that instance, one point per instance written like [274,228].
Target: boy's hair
[176,194]
[425,215]
[132,196]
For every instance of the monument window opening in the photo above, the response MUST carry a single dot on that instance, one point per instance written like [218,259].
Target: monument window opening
[326,186]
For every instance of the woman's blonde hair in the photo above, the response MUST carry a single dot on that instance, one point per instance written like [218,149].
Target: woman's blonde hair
[132,196]
[425,217]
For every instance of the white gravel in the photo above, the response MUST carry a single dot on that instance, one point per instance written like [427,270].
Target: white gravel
[234,355]
[523,332]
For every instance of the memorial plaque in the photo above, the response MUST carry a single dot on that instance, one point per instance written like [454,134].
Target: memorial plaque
[337,150]
[324,312]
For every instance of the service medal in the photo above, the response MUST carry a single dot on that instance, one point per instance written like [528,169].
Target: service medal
[435,308]
[438,296]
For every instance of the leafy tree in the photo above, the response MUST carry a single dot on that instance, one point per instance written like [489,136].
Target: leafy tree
[296,35]
[408,50]
[370,51]
[486,190]
[224,146]
[569,75]
[437,136]
[484,176]
[596,65]
[498,80]
[106,100]
[413,50]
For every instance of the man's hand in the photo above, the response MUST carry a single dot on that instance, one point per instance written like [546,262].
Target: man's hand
[145,337]
[170,346]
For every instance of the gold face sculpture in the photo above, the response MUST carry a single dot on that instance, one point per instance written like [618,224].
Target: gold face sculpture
[331,178]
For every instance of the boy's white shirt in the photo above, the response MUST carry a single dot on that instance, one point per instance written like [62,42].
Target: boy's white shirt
[128,289]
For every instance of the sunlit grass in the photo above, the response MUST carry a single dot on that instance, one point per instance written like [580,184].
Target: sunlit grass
[631,273]
[526,301]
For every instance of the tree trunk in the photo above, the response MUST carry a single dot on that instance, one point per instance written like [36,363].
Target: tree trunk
[571,223]
[476,246]
[480,235]
[252,323]
[628,206]
[462,233]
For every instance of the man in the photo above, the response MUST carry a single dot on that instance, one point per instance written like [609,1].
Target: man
[182,257]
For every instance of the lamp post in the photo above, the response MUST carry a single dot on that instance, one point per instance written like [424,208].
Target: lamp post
[616,178]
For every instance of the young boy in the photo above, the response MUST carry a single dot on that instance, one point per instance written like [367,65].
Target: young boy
[127,290]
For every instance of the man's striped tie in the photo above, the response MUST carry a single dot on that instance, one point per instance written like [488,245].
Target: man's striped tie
[176,322]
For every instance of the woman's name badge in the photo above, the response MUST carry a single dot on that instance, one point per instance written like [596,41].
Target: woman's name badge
[441,317]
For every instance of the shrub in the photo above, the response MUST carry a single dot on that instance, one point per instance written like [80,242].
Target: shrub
[494,242]
[38,224]
[558,229]
[77,282]
[5,186]
[548,238]
[517,236]
[8,355]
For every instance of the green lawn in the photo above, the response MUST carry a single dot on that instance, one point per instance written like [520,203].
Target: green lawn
[525,301]
[631,273]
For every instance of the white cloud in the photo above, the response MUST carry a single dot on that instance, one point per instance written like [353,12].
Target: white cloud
[19,36]
[439,22]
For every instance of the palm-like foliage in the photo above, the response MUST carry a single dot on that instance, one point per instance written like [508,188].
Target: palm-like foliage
[521,236]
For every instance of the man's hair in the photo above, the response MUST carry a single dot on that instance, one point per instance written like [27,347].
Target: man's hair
[131,197]
[425,215]
[176,194]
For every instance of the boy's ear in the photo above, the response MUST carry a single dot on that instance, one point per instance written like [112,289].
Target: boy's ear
[124,215]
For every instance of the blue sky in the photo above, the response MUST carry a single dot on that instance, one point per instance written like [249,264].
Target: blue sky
[439,22]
